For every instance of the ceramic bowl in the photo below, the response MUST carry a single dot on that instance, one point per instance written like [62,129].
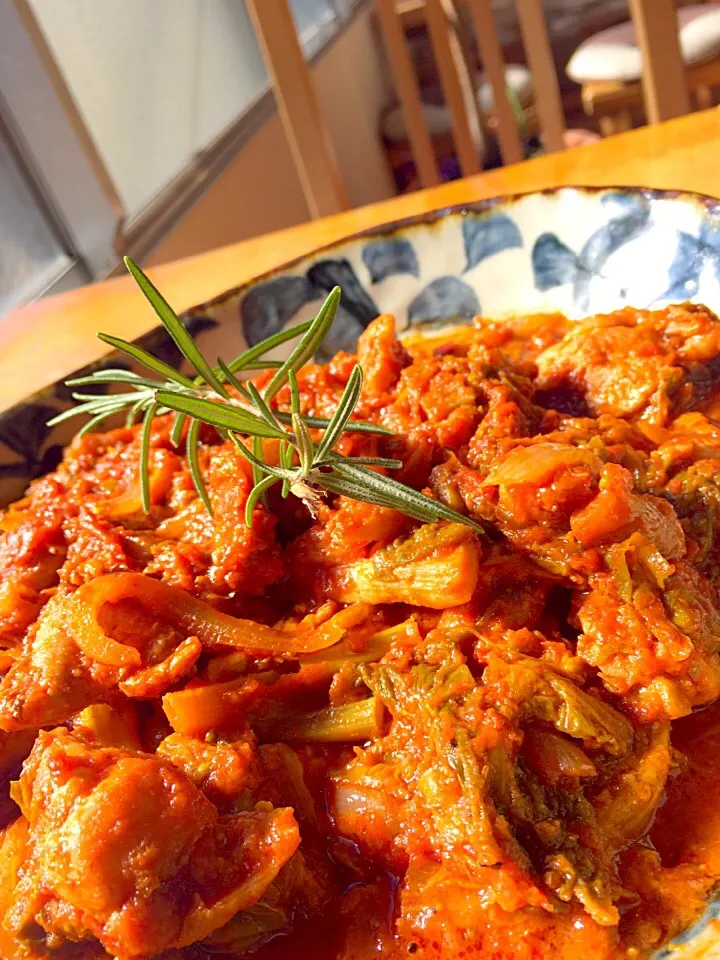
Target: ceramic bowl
[578,251]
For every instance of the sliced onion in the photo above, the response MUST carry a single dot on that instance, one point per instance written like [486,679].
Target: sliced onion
[193,617]
[554,757]
[538,462]
[354,806]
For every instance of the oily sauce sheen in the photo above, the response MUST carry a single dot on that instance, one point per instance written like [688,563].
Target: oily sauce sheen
[352,735]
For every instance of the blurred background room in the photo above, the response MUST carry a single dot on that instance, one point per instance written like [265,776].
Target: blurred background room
[166,128]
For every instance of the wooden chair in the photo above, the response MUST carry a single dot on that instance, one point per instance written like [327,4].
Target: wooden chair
[615,101]
[663,84]
[442,23]
[307,135]
[663,76]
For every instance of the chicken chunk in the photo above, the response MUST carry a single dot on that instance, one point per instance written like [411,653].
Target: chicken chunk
[633,362]
[656,646]
[52,679]
[123,848]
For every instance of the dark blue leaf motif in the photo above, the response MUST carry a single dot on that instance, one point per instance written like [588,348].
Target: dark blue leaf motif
[269,307]
[685,269]
[607,240]
[446,297]
[325,274]
[629,203]
[343,335]
[390,256]
[610,237]
[160,344]
[24,430]
[486,235]
[554,263]
[710,232]
[64,393]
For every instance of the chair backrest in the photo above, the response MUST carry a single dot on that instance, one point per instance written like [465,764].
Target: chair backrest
[663,80]
[454,66]
[307,135]
[456,73]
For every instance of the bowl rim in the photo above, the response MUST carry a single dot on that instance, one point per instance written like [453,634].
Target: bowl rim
[388,228]
[430,217]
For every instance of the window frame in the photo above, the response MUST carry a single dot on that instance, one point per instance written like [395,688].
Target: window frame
[56,153]
[50,151]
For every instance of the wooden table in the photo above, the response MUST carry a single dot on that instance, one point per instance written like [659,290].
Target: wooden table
[49,339]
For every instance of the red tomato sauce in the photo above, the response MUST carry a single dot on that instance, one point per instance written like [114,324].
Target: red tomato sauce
[341,733]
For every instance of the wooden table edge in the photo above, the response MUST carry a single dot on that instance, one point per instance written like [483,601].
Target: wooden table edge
[46,341]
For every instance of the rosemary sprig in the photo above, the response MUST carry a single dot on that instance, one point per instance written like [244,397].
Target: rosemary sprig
[237,410]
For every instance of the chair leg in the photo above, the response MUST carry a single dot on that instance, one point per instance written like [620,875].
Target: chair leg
[623,121]
[612,123]
[607,125]
[704,97]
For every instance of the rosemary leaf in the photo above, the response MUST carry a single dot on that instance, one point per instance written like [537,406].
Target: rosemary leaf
[257,449]
[110,399]
[303,440]
[177,429]
[285,454]
[320,423]
[217,414]
[230,376]
[262,365]
[279,472]
[360,483]
[294,394]
[145,457]
[304,443]
[248,359]
[286,458]
[257,493]
[266,413]
[305,350]
[183,341]
[135,410]
[113,375]
[245,359]
[383,462]
[334,482]
[192,445]
[348,401]
[146,359]
[90,407]
[91,424]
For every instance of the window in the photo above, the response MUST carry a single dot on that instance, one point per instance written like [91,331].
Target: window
[114,103]
[155,83]
[33,257]
[316,22]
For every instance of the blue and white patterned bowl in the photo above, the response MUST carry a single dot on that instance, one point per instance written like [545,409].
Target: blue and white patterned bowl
[576,250]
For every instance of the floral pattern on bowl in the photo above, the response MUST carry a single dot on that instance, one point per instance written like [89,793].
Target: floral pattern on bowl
[578,251]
